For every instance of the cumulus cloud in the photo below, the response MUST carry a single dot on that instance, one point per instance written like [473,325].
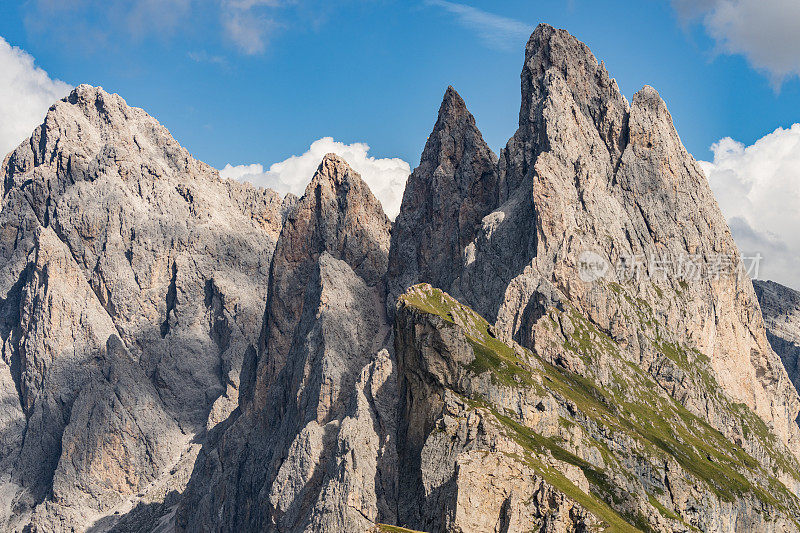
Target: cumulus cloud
[758,189]
[766,32]
[495,31]
[26,92]
[248,32]
[385,177]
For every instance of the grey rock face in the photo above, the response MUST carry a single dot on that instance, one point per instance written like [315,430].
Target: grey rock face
[586,172]
[494,438]
[185,353]
[313,448]
[337,214]
[133,279]
[781,309]
[454,187]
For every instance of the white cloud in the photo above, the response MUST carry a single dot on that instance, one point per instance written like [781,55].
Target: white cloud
[385,177]
[247,26]
[758,189]
[766,32]
[204,57]
[497,32]
[26,92]
[247,31]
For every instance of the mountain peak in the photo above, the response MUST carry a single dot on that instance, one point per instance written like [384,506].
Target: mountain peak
[141,242]
[647,96]
[337,215]
[452,104]
[561,68]
[334,169]
[337,199]
[84,91]
[336,181]
[99,106]
[454,122]
[447,195]
[550,46]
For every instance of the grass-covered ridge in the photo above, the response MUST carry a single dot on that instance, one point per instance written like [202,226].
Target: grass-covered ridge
[386,528]
[631,405]
[697,367]
[491,354]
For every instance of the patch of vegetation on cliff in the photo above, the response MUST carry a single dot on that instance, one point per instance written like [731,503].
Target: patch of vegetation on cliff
[505,369]
[491,354]
[386,528]
[536,445]
[697,369]
[615,522]
[634,406]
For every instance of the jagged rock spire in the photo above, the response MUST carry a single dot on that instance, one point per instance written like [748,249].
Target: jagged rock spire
[337,214]
[322,387]
[447,195]
[553,56]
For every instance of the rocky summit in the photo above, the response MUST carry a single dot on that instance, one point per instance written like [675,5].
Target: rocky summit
[556,338]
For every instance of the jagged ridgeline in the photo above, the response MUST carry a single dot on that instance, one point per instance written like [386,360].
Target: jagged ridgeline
[186,353]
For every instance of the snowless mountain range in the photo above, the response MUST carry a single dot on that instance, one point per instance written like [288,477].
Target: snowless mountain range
[185,353]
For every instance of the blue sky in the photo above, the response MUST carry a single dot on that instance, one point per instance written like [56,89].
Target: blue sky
[254,82]
[375,71]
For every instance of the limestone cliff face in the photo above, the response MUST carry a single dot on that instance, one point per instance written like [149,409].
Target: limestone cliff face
[781,309]
[185,353]
[314,449]
[495,438]
[588,173]
[133,279]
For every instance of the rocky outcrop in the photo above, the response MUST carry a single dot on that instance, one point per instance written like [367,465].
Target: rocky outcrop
[185,353]
[447,195]
[586,174]
[495,438]
[780,307]
[129,275]
[313,449]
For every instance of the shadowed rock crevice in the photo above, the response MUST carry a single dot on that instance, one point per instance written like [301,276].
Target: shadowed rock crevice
[172,294]
[10,331]
[781,309]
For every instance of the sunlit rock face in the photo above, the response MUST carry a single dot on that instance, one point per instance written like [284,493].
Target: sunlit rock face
[555,338]
[133,281]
